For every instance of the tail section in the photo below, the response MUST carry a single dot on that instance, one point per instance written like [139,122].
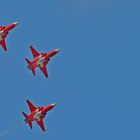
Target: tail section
[25,115]
[27,121]
[29,63]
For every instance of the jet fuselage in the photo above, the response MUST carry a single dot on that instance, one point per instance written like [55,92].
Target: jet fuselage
[38,61]
[5,30]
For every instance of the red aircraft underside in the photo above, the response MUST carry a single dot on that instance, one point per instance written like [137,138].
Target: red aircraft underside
[4,32]
[40,60]
[37,114]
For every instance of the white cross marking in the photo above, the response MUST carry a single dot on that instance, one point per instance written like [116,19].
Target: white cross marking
[37,115]
[40,62]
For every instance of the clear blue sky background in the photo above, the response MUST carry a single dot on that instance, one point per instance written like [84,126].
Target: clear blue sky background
[95,79]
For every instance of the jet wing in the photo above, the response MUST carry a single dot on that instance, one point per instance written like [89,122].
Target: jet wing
[33,71]
[30,124]
[44,70]
[31,106]
[3,44]
[41,124]
[34,52]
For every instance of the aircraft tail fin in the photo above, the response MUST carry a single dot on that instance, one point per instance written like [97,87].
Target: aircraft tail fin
[25,115]
[28,61]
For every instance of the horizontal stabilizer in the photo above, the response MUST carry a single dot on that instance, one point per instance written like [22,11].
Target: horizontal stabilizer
[25,115]
[29,64]
[28,61]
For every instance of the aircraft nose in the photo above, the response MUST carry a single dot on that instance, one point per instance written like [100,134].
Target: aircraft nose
[54,104]
[16,23]
[57,50]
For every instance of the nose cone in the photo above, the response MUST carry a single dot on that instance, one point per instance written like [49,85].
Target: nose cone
[57,50]
[16,23]
[54,104]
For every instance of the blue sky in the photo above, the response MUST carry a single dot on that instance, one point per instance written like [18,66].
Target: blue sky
[94,79]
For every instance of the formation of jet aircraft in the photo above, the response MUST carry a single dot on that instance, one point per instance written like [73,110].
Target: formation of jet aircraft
[37,114]
[40,60]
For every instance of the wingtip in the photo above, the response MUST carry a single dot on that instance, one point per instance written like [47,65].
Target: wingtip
[27,100]
[43,129]
[5,49]
[30,46]
[46,76]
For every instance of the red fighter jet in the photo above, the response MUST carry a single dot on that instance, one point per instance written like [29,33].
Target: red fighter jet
[40,60]
[4,32]
[37,114]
